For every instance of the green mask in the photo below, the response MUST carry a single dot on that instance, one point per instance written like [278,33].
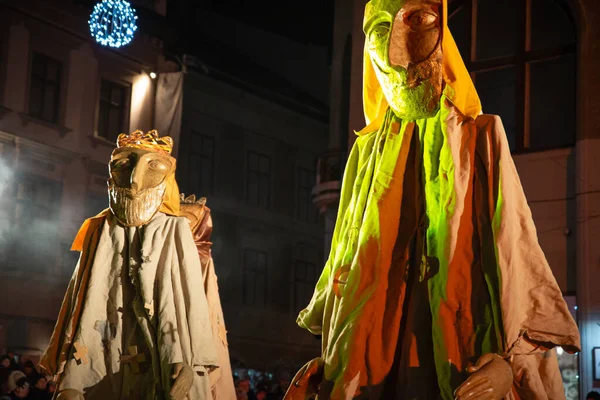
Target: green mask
[404,42]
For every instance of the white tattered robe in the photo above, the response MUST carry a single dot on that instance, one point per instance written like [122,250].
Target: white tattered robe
[221,378]
[144,289]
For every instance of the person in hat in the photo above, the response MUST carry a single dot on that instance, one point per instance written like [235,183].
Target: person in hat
[17,385]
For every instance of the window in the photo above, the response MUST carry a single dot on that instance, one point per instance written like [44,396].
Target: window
[34,233]
[201,166]
[305,210]
[521,55]
[44,90]
[255,278]
[305,279]
[112,113]
[259,180]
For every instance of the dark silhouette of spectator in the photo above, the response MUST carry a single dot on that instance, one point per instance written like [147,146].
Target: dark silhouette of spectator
[38,389]
[51,388]
[5,370]
[261,393]
[30,371]
[592,396]
[14,365]
[280,388]
[5,362]
[244,384]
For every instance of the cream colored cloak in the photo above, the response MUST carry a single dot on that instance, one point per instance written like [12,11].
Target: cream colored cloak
[168,304]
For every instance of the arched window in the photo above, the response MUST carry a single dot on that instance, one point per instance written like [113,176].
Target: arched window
[521,55]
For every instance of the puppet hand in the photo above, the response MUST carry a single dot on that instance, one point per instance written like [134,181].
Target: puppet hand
[70,394]
[491,379]
[305,384]
[184,377]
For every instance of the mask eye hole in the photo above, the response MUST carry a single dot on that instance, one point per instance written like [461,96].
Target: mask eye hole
[121,163]
[422,20]
[378,33]
[157,165]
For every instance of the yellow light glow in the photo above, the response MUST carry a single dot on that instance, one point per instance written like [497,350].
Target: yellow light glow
[153,75]
[140,103]
[139,92]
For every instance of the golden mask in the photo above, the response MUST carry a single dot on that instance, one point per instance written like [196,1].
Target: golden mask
[139,169]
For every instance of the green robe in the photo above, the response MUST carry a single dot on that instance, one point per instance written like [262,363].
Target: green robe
[488,287]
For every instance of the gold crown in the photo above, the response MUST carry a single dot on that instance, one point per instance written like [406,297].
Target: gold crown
[147,141]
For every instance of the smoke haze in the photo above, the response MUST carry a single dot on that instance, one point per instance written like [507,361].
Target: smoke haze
[6,176]
[30,237]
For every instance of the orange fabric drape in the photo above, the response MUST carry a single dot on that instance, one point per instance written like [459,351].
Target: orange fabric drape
[73,302]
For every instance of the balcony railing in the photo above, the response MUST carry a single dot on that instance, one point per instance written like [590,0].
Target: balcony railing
[330,167]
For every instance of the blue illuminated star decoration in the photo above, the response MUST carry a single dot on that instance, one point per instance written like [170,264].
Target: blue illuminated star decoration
[112,23]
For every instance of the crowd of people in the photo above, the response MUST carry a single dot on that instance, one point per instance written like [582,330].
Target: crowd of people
[21,380]
[260,387]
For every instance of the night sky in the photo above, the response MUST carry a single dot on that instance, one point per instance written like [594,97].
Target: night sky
[309,21]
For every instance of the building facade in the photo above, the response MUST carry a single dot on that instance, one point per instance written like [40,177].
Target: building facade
[254,120]
[254,160]
[250,148]
[63,100]
[534,64]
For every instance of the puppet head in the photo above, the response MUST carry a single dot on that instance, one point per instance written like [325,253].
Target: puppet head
[194,210]
[142,178]
[403,39]
[410,61]
[198,215]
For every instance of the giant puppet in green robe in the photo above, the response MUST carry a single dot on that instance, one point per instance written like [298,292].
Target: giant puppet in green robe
[436,286]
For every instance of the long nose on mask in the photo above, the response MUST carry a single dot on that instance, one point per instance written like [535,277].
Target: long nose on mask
[413,38]
[136,180]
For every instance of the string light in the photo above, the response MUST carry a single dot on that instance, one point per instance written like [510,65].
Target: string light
[112,23]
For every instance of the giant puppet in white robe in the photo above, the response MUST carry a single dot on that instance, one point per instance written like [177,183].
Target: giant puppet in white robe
[201,224]
[134,323]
